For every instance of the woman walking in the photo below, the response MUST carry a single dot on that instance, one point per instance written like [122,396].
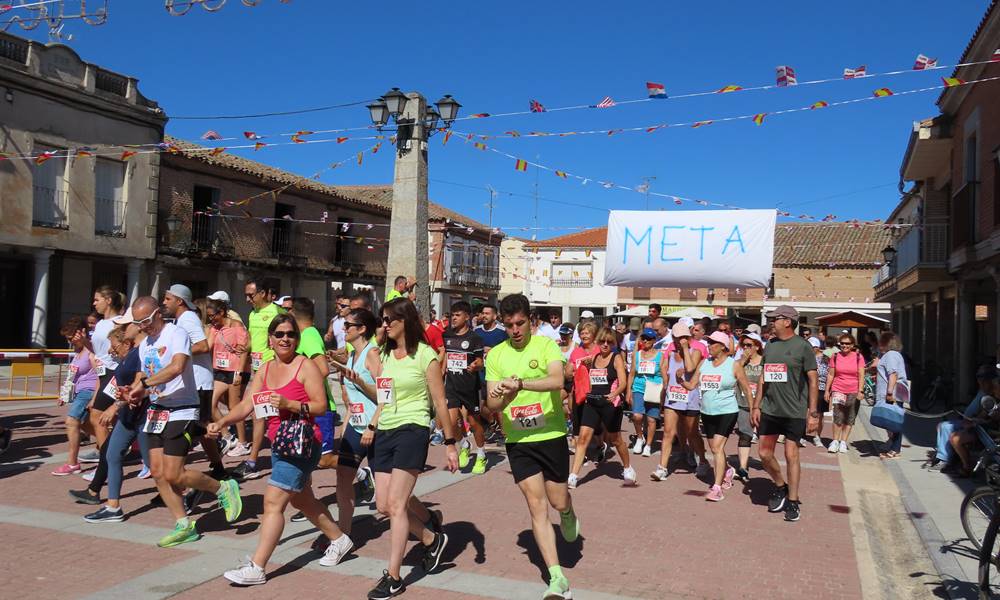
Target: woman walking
[109,303]
[409,386]
[228,342]
[645,387]
[78,391]
[845,389]
[891,370]
[752,361]
[295,389]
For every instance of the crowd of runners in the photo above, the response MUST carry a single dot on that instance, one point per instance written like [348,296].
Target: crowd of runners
[167,377]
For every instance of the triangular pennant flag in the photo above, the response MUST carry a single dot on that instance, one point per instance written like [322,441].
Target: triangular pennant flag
[376,147]
[127,155]
[701,124]
[759,118]
[513,134]
[211,134]
[258,146]
[882,92]
[216,151]
[923,63]
[952,81]
[535,106]
[251,135]
[361,156]
[996,56]
[786,76]
[480,145]
[520,165]
[561,174]
[341,140]
[728,88]
[84,151]
[447,137]
[820,104]
[861,71]
[479,116]
[656,90]
[44,156]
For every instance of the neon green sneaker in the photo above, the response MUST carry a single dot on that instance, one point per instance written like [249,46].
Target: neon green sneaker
[463,458]
[180,535]
[229,499]
[480,467]
[558,589]
[569,524]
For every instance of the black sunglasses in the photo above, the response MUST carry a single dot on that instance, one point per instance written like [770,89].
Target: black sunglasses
[389,320]
[750,345]
[281,334]
[348,325]
[344,305]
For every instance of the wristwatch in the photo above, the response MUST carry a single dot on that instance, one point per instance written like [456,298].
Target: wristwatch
[449,441]
[371,427]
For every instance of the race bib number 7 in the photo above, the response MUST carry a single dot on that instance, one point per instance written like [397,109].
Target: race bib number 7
[526,418]
[384,393]
[776,373]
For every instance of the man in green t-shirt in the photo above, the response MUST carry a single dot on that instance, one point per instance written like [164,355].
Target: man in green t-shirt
[402,288]
[785,406]
[260,295]
[524,375]
[312,347]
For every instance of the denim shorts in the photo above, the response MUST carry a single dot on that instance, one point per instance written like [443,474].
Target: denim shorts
[292,474]
[78,407]
[639,406]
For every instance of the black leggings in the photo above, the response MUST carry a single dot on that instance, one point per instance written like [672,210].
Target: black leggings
[101,472]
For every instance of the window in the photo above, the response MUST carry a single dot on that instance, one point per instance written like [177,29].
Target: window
[572,275]
[204,200]
[49,190]
[971,179]
[109,203]
[281,232]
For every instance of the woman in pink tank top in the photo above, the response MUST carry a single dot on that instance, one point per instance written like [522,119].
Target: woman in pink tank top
[288,388]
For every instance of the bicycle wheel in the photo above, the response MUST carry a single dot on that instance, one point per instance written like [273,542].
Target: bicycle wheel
[988,560]
[977,512]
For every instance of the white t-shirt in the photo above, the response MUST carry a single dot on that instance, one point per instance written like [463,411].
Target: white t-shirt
[155,354]
[548,331]
[337,323]
[191,324]
[102,345]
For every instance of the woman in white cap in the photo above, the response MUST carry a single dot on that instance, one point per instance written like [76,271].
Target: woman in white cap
[717,379]
[752,361]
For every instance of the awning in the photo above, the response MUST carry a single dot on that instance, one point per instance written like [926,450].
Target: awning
[852,318]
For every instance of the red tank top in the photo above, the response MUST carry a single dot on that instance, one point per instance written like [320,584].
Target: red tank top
[293,391]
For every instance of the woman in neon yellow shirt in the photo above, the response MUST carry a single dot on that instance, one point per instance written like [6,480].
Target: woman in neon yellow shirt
[409,383]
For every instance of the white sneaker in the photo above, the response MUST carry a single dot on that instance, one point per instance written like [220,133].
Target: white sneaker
[89,475]
[660,474]
[834,446]
[247,573]
[637,449]
[629,475]
[843,446]
[571,481]
[239,449]
[818,442]
[336,551]
[647,451]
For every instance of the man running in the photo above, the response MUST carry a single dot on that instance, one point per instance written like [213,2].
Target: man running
[464,359]
[172,421]
[524,375]
[492,335]
[790,392]
[260,295]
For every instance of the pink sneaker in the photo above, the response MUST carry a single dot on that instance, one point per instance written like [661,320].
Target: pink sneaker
[715,494]
[727,479]
[66,470]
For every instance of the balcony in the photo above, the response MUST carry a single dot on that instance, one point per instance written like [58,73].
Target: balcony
[920,264]
[49,208]
[474,276]
[109,217]
[572,282]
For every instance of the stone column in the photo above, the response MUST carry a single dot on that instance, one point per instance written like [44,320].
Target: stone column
[964,338]
[133,270]
[40,297]
[408,251]
[159,283]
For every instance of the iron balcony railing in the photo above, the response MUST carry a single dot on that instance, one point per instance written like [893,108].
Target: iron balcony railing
[49,207]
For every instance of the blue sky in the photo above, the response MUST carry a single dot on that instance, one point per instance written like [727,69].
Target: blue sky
[496,56]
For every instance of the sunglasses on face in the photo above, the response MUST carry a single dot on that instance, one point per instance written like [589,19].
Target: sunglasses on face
[845,344]
[348,324]
[282,334]
[145,321]
[389,320]
[748,345]
[344,305]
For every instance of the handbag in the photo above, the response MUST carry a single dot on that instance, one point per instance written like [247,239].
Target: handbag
[888,416]
[294,436]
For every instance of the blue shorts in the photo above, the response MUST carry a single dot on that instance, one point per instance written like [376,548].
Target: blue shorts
[351,451]
[639,406]
[292,474]
[78,407]
[327,427]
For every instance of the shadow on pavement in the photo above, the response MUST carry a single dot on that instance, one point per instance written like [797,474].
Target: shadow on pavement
[569,554]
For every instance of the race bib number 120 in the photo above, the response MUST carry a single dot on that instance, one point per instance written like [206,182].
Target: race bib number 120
[776,373]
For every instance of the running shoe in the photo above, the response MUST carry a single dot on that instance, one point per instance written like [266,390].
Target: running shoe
[604,453]
[715,494]
[792,511]
[480,466]
[818,442]
[647,451]
[703,469]
[336,551]
[85,497]
[569,524]
[692,462]
[463,458]
[366,492]
[180,535]
[558,589]
[92,456]
[144,473]
[224,445]
[628,474]
[246,471]
[437,438]
[435,552]
[298,517]
[89,475]
[639,444]
[238,449]
[743,475]
[66,470]
[843,446]
[778,499]
[230,500]
[834,446]
[105,515]
[727,478]
[246,573]
[387,587]
[192,499]
[660,474]
[571,481]
[4,440]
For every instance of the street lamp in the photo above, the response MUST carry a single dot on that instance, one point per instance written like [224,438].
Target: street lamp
[888,255]
[448,107]
[394,103]
[379,113]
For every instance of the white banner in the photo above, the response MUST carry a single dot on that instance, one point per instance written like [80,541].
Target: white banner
[698,248]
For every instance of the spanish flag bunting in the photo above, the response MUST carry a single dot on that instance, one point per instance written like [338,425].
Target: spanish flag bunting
[513,133]
[376,147]
[251,135]
[677,201]
[654,128]
[820,104]
[701,124]
[996,56]
[480,146]
[759,118]
[341,140]
[538,133]
[258,146]
[561,174]
[587,253]
[728,88]
[480,115]
[520,165]
[297,139]
[304,132]
[468,138]
[44,156]
[361,156]
[882,92]
[614,131]
[447,137]
[127,154]
[216,151]
[952,81]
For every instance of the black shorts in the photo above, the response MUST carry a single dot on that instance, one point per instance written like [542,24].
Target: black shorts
[471,404]
[549,457]
[226,377]
[404,447]
[102,401]
[723,425]
[597,411]
[793,429]
[822,406]
[351,451]
[177,438]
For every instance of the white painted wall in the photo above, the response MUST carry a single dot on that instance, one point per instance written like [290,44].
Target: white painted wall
[544,266]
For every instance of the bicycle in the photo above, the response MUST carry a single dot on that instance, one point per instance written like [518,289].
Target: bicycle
[989,562]
[979,505]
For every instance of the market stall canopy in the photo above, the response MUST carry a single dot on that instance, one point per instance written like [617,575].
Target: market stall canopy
[638,311]
[690,311]
[852,318]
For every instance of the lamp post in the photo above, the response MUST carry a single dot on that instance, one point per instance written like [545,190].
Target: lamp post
[415,123]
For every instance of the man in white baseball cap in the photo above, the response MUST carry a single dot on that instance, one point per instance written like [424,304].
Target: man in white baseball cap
[183,293]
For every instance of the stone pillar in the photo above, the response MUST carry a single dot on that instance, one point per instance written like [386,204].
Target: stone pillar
[964,338]
[408,251]
[40,297]
[565,314]
[133,271]
[159,281]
